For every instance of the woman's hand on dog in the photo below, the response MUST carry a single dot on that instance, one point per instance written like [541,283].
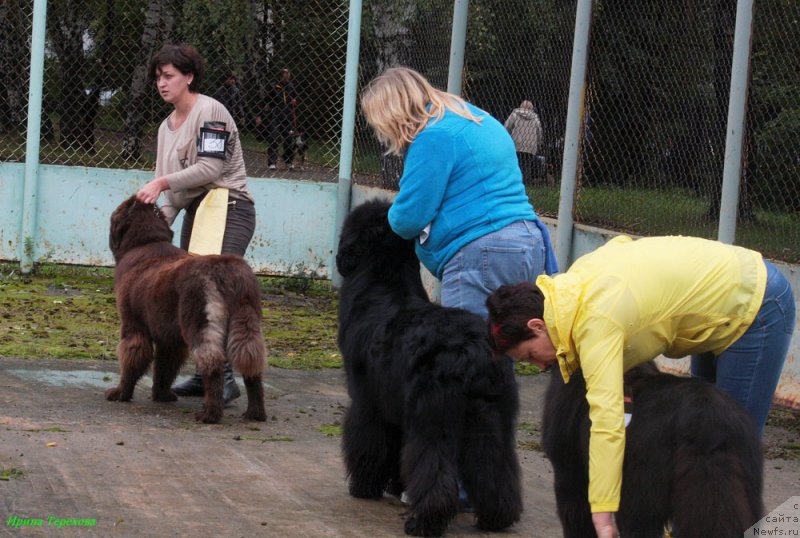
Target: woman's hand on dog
[604,525]
[151,191]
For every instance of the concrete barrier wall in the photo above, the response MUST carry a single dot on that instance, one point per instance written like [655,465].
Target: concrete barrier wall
[294,232]
[294,229]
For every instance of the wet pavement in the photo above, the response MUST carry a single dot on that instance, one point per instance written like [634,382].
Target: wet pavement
[148,469]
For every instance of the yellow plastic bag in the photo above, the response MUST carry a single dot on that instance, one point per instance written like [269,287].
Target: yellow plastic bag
[209,223]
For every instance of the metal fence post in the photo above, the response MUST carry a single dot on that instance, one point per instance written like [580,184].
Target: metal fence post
[573,132]
[27,232]
[348,126]
[458,42]
[737,106]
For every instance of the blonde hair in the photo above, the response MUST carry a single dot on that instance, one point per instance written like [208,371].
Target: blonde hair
[396,105]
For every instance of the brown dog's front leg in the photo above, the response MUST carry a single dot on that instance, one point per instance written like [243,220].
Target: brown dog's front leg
[135,352]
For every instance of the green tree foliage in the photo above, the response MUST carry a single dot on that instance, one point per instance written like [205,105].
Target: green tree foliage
[223,32]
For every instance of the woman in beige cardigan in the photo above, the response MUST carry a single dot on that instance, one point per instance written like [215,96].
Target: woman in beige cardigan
[200,169]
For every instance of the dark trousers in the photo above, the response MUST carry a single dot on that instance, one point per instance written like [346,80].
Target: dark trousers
[280,131]
[526,166]
[240,225]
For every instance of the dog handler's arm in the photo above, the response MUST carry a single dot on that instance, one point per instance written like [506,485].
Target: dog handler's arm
[426,172]
[150,192]
[604,525]
[204,171]
[600,344]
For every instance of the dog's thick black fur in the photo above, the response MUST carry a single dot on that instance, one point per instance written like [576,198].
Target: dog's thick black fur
[170,302]
[429,403]
[692,458]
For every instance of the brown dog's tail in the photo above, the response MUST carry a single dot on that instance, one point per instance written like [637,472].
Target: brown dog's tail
[246,349]
[245,345]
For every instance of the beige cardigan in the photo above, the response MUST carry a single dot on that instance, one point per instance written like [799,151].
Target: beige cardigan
[188,175]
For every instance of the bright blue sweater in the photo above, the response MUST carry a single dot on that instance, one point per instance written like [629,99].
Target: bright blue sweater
[462,178]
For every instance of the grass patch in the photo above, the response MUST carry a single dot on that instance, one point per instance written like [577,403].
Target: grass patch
[331,430]
[263,439]
[70,312]
[526,368]
[535,446]
[60,311]
[529,428]
[12,473]
[785,418]
[54,429]
[300,323]
[649,212]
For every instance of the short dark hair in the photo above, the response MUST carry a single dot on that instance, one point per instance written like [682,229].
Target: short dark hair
[184,57]
[510,307]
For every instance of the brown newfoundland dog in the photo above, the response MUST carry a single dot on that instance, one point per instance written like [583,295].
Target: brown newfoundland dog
[171,303]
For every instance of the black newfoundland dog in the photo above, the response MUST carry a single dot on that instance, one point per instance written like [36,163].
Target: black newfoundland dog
[429,404]
[174,302]
[692,458]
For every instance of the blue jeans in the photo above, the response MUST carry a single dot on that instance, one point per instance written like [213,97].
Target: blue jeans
[749,370]
[510,255]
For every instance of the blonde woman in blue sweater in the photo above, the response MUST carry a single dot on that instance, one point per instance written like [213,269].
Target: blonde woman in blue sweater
[461,193]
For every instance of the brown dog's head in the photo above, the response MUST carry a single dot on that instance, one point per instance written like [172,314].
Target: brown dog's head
[134,224]
[367,240]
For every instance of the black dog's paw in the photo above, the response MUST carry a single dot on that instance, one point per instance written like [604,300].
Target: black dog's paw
[365,491]
[395,487]
[496,523]
[415,527]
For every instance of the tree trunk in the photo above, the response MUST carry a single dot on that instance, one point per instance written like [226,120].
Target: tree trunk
[137,97]
[391,24]
[13,46]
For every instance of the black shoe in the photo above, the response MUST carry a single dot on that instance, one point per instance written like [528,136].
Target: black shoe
[230,390]
[194,386]
[191,387]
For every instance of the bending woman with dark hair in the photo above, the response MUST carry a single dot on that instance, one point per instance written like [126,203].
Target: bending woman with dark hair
[631,301]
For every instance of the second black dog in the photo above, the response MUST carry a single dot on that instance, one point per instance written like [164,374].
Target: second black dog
[692,458]
[429,403]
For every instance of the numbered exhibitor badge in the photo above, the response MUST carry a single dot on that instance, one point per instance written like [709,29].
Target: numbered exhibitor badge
[213,140]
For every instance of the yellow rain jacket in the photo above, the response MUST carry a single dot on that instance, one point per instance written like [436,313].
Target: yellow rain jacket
[630,301]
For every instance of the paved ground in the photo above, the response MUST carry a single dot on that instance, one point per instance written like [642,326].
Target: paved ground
[148,469]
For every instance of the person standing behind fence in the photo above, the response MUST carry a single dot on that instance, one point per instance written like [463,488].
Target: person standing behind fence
[230,95]
[200,168]
[526,129]
[283,110]
[461,193]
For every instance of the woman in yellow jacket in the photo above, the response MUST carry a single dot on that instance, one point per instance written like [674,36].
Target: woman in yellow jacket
[631,301]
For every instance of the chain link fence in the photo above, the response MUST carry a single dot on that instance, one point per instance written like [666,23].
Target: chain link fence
[101,109]
[15,55]
[656,105]
[655,122]
[655,110]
